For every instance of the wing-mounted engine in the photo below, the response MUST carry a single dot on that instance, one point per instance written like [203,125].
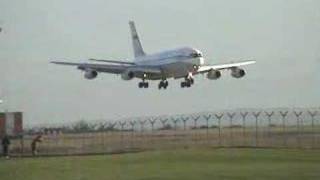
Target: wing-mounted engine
[213,74]
[237,72]
[90,74]
[127,75]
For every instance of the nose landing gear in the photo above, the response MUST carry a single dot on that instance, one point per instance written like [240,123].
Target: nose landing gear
[189,81]
[143,84]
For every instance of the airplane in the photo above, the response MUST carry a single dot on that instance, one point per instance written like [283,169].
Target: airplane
[184,62]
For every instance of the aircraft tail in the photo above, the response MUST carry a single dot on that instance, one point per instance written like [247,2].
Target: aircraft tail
[137,48]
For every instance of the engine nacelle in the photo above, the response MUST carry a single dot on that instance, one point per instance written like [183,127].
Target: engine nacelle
[237,73]
[127,75]
[213,74]
[90,74]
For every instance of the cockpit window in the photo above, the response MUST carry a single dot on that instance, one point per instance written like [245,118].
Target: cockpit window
[195,55]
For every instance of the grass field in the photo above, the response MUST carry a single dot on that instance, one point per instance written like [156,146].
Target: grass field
[196,163]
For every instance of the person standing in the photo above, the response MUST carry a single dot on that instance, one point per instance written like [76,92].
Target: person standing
[5,146]
[34,142]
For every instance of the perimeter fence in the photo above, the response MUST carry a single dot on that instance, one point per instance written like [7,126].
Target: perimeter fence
[286,128]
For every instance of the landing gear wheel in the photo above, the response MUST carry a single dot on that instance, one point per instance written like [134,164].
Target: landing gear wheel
[163,84]
[183,84]
[187,83]
[160,85]
[143,85]
[140,84]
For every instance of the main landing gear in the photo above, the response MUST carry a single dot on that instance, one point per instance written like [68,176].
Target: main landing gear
[163,84]
[143,84]
[187,83]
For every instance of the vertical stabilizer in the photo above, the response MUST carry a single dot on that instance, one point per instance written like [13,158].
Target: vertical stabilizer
[137,48]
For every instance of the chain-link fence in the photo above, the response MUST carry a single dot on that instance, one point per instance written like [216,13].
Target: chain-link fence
[263,128]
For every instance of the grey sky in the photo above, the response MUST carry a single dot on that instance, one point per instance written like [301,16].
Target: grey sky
[282,35]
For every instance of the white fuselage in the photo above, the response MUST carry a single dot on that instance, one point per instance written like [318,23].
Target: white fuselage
[174,63]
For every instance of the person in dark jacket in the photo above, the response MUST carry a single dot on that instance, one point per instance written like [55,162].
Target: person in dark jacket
[5,146]
[34,142]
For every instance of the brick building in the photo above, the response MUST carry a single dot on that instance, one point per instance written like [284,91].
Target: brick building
[11,123]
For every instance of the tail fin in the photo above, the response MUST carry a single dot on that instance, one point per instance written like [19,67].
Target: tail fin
[137,48]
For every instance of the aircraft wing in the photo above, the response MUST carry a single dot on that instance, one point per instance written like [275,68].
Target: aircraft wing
[113,61]
[207,68]
[111,68]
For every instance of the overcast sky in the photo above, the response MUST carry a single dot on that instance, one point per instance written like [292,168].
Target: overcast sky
[282,35]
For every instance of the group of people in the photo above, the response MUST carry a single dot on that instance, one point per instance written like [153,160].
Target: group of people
[5,142]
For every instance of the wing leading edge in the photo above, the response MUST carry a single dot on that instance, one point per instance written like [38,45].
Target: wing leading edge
[113,61]
[207,68]
[111,68]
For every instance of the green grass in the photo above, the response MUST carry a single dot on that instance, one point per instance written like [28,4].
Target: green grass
[174,164]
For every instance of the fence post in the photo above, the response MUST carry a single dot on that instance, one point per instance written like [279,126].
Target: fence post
[195,119]
[21,144]
[313,115]
[175,121]
[142,122]
[111,126]
[269,115]
[231,116]
[184,120]
[122,124]
[284,115]
[132,124]
[101,134]
[244,118]
[219,117]
[163,122]
[256,115]
[152,122]
[207,118]
[106,134]
[298,115]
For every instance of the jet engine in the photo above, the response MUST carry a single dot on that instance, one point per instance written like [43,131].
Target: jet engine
[90,74]
[127,75]
[237,72]
[213,74]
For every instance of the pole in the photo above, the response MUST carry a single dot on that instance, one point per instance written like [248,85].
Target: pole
[244,117]
[256,115]
[298,115]
[231,116]
[284,115]
[207,118]
[313,115]
[219,117]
